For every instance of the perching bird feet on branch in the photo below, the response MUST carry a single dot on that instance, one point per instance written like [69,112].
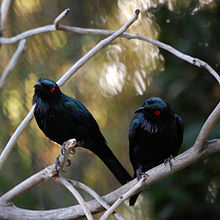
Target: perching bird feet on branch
[169,161]
[140,174]
[68,147]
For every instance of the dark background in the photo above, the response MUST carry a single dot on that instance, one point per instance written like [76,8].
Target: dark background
[112,85]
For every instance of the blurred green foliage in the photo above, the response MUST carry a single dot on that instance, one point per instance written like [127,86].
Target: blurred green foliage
[112,85]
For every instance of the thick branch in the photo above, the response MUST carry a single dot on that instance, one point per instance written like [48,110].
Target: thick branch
[154,175]
[61,81]
[39,177]
[181,161]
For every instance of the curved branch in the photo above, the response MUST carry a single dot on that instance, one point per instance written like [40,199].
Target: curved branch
[74,212]
[76,194]
[35,31]
[181,161]
[95,196]
[195,61]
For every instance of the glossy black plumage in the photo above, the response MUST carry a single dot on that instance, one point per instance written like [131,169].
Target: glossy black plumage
[155,134]
[61,118]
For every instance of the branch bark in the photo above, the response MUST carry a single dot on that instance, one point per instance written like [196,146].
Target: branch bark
[4,12]
[76,194]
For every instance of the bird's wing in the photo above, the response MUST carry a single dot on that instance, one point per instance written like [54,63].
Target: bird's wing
[78,113]
[180,128]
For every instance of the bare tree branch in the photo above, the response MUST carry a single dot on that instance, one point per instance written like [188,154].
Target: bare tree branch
[199,145]
[10,196]
[206,128]
[60,17]
[76,194]
[190,156]
[183,160]
[195,61]
[35,31]
[94,195]
[3,12]
[62,80]
[123,198]
[21,48]
[39,177]
[9,146]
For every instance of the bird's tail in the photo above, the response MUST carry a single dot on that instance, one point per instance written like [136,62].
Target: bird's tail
[133,198]
[106,155]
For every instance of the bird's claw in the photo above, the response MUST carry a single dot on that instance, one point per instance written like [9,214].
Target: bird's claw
[169,161]
[68,162]
[57,164]
[63,150]
[140,173]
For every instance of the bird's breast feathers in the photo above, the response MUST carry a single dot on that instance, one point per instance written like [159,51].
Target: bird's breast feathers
[151,128]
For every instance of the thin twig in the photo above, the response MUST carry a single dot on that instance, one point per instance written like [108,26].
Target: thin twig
[21,48]
[97,48]
[60,17]
[35,31]
[95,195]
[195,61]
[61,81]
[76,194]
[122,198]
[206,128]
[3,12]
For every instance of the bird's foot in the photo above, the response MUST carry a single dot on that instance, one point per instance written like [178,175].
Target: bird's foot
[57,164]
[64,151]
[169,161]
[140,174]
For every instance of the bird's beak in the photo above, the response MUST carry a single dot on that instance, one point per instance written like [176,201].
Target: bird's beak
[38,84]
[141,109]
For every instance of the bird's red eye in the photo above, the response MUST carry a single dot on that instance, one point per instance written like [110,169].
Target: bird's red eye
[157,112]
[52,89]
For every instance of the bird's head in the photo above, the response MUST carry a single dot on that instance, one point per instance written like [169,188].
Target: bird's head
[46,90]
[154,108]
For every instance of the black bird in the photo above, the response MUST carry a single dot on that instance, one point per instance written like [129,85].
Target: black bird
[61,118]
[155,135]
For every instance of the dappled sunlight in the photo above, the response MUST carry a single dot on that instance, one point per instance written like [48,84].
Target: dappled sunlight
[13,106]
[114,78]
[132,63]
[24,7]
